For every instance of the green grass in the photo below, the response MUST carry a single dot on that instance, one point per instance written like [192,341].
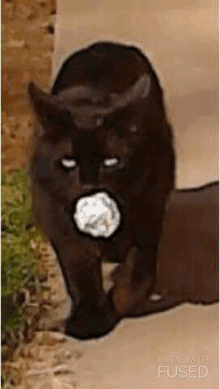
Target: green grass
[19,260]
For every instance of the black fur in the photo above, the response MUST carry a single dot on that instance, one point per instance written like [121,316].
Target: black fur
[140,186]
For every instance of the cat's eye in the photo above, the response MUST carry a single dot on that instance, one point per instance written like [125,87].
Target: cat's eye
[68,163]
[111,162]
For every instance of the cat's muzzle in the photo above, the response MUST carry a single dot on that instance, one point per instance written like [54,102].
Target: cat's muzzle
[97,215]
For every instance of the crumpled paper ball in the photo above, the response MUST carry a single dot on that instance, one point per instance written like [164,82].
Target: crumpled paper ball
[97,215]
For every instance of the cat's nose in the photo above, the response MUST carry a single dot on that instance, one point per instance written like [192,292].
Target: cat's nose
[89,187]
[89,174]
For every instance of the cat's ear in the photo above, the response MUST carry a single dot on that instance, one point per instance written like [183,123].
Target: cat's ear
[140,90]
[49,112]
[41,101]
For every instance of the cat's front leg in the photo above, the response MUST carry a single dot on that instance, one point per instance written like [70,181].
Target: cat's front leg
[79,257]
[134,279]
[92,313]
[132,284]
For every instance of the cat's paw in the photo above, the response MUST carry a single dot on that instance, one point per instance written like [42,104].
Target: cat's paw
[127,298]
[93,324]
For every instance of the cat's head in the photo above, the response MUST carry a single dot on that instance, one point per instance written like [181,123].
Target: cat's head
[86,138]
[91,140]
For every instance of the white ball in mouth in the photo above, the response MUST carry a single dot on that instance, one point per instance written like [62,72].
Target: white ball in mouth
[97,215]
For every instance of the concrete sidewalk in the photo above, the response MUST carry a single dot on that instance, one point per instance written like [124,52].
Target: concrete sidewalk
[181,39]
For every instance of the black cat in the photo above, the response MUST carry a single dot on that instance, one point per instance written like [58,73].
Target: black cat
[102,168]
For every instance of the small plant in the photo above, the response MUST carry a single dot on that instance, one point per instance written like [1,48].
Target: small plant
[20,273]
